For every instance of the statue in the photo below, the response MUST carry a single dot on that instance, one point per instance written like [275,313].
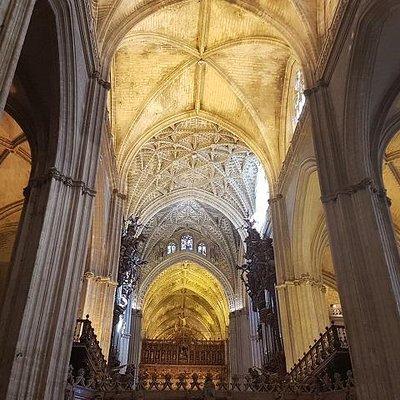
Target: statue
[209,387]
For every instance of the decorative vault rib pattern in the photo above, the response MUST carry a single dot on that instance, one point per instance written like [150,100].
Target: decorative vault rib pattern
[191,216]
[194,154]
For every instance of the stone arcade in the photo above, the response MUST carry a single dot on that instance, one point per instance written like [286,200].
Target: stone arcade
[199,199]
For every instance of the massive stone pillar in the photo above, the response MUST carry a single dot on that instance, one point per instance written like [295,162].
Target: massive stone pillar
[302,307]
[239,344]
[98,293]
[365,255]
[14,21]
[135,338]
[255,343]
[304,315]
[99,297]
[39,312]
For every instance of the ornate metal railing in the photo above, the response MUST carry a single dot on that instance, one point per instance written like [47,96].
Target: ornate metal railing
[84,382]
[202,352]
[331,347]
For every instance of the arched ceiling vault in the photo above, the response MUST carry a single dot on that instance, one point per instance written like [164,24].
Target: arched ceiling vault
[210,57]
[187,300]
[293,20]
[226,278]
[193,154]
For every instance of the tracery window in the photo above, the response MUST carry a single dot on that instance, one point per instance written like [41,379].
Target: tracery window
[299,97]
[171,248]
[202,249]
[186,242]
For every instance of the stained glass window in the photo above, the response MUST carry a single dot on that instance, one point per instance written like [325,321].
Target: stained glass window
[202,249]
[171,248]
[186,242]
[299,98]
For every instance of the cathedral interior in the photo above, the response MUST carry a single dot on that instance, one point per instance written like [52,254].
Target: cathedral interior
[199,199]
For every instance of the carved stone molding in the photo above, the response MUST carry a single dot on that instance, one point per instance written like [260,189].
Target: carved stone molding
[99,278]
[331,36]
[318,85]
[304,279]
[294,144]
[366,183]
[105,84]
[120,195]
[54,174]
[275,199]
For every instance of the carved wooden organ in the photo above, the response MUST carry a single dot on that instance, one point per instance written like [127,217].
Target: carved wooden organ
[259,277]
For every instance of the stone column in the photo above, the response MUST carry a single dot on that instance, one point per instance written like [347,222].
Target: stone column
[304,315]
[99,291]
[255,345]
[135,339]
[365,255]
[99,305]
[39,312]
[302,308]
[239,342]
[14,21]
[281,239]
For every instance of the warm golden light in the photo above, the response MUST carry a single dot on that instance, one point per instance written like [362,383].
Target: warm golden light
[185,300]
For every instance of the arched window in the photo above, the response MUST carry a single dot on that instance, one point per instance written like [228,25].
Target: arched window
[202,249]
[171,248]
[186,242]
[299,97]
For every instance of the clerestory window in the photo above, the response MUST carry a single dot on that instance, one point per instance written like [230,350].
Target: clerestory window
[299,97]
[186,242]
[171,248]
[202,249]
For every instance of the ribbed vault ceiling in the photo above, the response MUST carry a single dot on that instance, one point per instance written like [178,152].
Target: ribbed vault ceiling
[193,154]
[199,101]
[185,300]
[191,216]
[208,58]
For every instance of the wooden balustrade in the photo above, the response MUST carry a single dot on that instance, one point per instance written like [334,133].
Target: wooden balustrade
[87,347]
[328,356]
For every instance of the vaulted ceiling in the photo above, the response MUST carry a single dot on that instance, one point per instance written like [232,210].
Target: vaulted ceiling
[224,61]
[15,166]
[191,216]
[201,101]
[193,155]
[185,300]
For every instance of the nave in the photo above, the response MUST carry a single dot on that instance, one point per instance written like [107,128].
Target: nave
[199,198]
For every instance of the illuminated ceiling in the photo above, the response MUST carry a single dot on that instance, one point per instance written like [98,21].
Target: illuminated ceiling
[189,215]
[391,177]
[211,58]
[193,154]
[200,97]
[15,163]
[186,300]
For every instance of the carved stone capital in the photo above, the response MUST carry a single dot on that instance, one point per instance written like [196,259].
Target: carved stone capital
[105,84]
[366,183]
[99,278]
[54,174]
[304,279]
[120,195]
[275,199]
[88,275]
